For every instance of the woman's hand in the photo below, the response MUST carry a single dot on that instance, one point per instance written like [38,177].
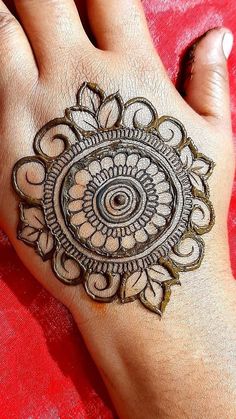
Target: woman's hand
[182,365]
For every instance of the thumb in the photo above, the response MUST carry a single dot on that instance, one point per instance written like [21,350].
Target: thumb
[206,85]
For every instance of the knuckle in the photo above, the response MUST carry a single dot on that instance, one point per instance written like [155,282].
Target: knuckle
[147,70]
[218,74]
[54,6]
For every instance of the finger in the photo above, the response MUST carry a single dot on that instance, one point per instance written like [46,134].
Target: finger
[119,25]
[53,27]
[16,55]
[206,86]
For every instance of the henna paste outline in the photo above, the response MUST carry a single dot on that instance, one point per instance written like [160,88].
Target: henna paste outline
[117,198]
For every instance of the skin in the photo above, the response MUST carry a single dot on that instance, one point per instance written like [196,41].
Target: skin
[182,366]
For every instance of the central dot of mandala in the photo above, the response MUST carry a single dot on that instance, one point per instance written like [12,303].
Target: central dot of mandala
[118,199]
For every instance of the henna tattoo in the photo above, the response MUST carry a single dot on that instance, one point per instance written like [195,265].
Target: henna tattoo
[117,198]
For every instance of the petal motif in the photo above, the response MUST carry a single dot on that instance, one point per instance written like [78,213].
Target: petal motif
[163,210]
[76,205]
[32,216]
[110,111]
[202,166]
[86,230]
[29,234]
[132,285]
[152,297]
[78,218]
[132,160]
[159,177]
[34,232]
[120,159]
[112,244]
[158,220]
[98,239]
[45,244]
[165,198]
[90,97]
[158,273]
[94,167]
[197,182]
[82,177]
[143,163]
[163,187]
[150,228]
[186,156]
[128,242]
[152,169]
[141,236]
[84,120]
[106,163]
[77,191]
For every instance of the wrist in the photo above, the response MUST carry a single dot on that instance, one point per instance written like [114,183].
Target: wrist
[140,356]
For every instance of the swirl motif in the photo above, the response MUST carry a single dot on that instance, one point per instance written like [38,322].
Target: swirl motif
[116,197]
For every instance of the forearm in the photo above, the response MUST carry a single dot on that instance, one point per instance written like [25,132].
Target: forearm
[181,366]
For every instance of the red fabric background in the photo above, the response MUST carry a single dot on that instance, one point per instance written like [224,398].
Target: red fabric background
[45,370]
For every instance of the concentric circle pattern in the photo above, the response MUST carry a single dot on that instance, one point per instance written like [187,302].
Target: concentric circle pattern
[116,197]
[123,205]
[116,208]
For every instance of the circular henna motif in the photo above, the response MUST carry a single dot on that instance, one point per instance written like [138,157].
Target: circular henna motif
[120,208]
[116,197]
[119,204]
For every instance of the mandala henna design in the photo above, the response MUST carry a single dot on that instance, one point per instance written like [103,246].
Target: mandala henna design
[117,198]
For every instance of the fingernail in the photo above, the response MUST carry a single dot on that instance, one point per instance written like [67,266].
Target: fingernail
[227,44]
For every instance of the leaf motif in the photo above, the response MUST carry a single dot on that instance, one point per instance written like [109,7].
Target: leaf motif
[32,216]
[132,286]
[186,157]
[197,182]
[158,273]
[152,297]
[83,119]
[202,167]
[45,244]
[90,97]
[110,112]
[28,234]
